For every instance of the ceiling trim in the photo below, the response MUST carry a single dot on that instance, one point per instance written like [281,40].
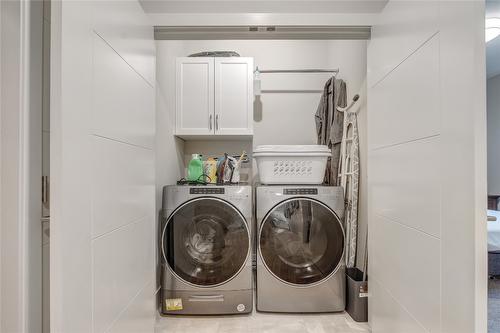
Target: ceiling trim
[262,19]
[262,32]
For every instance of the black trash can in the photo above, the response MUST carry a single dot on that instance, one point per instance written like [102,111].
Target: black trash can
[357,295]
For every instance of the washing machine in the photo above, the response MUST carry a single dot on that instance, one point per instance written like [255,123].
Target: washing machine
[300,249]
[206,246]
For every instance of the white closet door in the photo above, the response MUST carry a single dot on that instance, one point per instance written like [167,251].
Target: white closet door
[195,96]
[427,168]
[234,96]
[102,262]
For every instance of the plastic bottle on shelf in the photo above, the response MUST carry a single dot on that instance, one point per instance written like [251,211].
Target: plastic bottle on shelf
[210,168]
[195,168]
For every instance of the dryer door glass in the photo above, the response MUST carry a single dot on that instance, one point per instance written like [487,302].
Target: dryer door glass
[301,241]
[206,242]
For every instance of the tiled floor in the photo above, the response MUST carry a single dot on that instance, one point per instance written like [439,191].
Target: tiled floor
[262,322]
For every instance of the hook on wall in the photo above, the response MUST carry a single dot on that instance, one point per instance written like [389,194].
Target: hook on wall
[347,108]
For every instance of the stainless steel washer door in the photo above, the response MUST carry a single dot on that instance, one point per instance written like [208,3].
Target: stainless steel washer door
[301,241]
[205,242]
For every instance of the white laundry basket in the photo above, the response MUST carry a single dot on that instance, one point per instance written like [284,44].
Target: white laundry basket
[291,164]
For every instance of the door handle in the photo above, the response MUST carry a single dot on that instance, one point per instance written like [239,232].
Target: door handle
[45,189]
[210,122]
[216,122]
[206,298]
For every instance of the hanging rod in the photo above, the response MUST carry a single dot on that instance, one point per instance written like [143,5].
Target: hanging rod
[257,70]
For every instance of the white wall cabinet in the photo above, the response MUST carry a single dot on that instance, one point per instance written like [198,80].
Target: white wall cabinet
[195,96]
[214,97]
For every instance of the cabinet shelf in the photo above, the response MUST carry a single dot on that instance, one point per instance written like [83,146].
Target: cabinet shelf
[215,137]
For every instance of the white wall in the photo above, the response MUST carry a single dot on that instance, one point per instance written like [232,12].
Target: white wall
[283,114]
[170,149]
[34,226]
[20,167]
[11,303]
[102,168]
[493,95]
[427,168]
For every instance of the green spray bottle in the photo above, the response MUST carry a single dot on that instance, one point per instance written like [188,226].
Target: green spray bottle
[195,168]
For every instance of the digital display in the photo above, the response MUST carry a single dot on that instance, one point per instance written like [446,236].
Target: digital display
[300,191]
[206,190]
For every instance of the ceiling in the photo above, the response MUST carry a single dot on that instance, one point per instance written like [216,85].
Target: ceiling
[493,47]
[227,7]
[260,6]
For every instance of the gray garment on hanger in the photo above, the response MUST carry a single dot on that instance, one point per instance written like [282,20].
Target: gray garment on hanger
[330,122]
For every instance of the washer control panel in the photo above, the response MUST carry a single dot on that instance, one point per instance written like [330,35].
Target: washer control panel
[207,190]
[300,191]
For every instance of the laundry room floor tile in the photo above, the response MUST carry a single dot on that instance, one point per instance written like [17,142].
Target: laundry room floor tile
[262,322]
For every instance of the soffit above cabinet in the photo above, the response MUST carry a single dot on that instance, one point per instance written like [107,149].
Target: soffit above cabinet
[260,6]
[277,12]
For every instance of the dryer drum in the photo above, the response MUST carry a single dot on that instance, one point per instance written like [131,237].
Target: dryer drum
[301,241]
[205,242]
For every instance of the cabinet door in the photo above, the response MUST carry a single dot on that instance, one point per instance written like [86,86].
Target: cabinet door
[195,96]
[234,96]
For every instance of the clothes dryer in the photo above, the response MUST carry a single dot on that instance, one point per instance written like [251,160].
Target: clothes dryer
[300,248]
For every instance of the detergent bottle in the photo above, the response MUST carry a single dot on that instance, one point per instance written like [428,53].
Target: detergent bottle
[195,168]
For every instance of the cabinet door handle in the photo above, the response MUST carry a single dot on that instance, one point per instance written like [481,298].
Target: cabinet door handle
[210,122]
[216,122]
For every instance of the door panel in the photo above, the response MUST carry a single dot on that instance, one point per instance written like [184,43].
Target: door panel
[301,241]
[195,96]
[233,96]
[426,95]
[98,279]
[206,242]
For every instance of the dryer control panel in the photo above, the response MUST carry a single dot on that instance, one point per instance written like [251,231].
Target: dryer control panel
[300,191]
[207,190]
